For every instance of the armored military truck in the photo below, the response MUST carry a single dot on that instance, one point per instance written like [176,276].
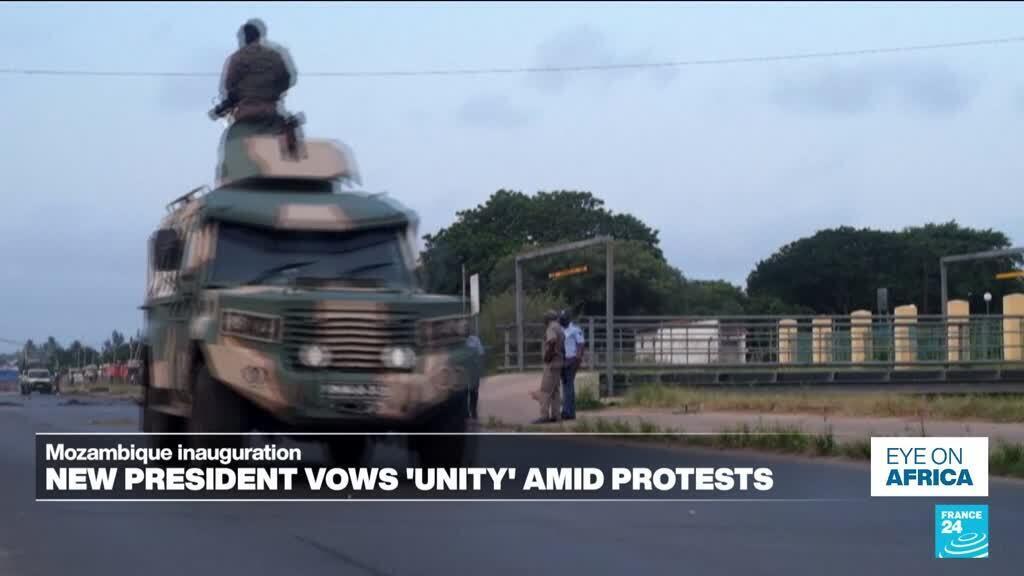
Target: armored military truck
[282,301]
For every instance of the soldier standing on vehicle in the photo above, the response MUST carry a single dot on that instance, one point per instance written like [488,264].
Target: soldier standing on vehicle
[549,395]
[255,79]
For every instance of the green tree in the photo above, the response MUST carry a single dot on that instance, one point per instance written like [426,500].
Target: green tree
[498,313]
[709,298]
[644,283]
[919,277]
[839,270]
[509,222]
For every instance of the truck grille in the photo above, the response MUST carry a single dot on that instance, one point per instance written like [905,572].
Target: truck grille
[355,339]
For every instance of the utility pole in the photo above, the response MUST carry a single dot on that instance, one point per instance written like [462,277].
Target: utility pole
[463,287]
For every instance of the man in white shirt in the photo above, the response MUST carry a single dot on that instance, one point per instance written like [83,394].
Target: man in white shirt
[575,345]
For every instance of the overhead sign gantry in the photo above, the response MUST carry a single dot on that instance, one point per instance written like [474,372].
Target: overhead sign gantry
[609,298]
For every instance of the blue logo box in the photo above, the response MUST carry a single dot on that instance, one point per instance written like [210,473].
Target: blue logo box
[961,531]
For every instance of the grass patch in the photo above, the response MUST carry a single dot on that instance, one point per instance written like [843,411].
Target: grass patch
[786,440]
[586,399]
[1005,459]
[990,408]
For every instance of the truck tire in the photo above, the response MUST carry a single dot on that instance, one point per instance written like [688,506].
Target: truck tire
[217,408]
[444,450]
[154,421]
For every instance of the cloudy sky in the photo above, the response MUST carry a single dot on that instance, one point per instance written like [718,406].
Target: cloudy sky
[728,161]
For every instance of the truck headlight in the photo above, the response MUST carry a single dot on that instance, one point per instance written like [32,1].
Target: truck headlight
[401,358]
[250,325]
[314,356]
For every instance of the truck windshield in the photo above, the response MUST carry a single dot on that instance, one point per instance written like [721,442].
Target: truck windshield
[38,374]
[250,255]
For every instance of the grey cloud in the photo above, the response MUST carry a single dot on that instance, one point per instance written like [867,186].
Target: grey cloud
[493,111]
[937,89]
[586,46]
[925,88]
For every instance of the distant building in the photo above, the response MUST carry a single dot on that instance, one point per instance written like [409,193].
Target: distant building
[691,342]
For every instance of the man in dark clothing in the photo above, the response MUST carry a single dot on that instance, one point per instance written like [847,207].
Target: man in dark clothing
[478,369]
[255,79]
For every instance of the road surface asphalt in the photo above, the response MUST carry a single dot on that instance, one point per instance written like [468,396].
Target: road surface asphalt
[849,533]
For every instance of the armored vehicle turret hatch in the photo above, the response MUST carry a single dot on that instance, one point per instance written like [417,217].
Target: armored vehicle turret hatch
[267,158]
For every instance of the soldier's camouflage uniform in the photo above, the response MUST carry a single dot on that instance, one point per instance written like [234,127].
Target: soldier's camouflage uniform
[255,78]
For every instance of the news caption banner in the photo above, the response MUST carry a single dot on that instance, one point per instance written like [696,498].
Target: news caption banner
[956,467]
[96,467]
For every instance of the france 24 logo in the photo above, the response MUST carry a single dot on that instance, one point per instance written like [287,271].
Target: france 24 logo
[961,531]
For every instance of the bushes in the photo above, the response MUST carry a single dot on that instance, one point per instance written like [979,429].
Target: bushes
[500,310]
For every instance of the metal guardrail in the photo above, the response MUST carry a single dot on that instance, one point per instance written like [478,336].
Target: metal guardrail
[790,342]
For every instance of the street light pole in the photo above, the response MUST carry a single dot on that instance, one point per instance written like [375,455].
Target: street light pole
[988,324]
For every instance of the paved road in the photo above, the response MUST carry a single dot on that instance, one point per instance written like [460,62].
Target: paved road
[853,536]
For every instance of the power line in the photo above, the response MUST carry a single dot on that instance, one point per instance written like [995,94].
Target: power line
[535,69]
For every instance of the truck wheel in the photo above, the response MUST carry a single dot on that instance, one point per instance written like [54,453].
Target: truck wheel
[445,450]
[154,420]
[159,422]
[347,450]
[217,408]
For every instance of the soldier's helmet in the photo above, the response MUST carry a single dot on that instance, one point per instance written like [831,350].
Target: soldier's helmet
[253,30]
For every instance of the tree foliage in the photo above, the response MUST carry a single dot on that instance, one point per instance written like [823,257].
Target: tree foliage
[839,270]
[56,356]
[511,222]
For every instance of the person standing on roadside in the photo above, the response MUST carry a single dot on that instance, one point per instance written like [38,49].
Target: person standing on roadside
[479,366]
[549,395]
[575,345]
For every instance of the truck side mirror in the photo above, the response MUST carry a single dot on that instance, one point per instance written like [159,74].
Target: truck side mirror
[167,250]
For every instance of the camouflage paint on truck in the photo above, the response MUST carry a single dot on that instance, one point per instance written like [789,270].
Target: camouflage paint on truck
[322,354]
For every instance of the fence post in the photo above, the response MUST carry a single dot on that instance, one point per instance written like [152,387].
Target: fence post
[520,358]
[860,330]
[821,347]
[508,351]
[906,317]
[787,341]
[590,340]
[957,313]
[1013,309]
